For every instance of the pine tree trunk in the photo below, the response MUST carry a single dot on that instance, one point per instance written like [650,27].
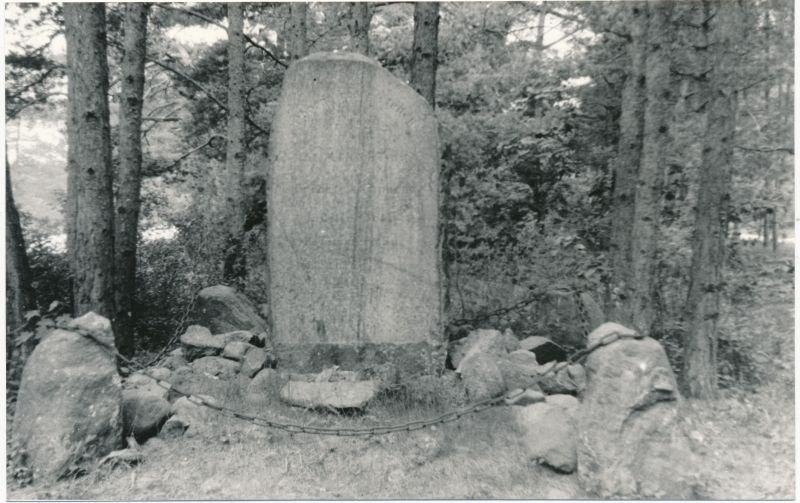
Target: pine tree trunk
[708,243]
[425,51]
[647,199]
[88,135]
[540,27]
[626,164]
[129,177]
[360,17]
[298,41]
[19,294]
[233,178]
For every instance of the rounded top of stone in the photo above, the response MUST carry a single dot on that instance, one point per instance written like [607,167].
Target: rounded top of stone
[341,56]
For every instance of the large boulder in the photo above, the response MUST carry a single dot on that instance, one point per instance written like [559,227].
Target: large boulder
[68,409]
[223,309]
[630,443]
[354,254]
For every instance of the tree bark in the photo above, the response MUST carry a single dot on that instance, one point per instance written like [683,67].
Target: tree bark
[233,178]
[708,241]
[360,17]
[540,27]
[298,41]
[88,136]
[19,293]
[655,139]
[129,174]
[626,164]
[425,51]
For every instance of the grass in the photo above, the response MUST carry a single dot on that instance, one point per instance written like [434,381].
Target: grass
[745,438]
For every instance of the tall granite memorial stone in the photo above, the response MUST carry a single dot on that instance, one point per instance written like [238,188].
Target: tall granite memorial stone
[353,208]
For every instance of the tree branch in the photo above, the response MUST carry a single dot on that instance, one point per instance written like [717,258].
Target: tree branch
[157,171]
[220,25]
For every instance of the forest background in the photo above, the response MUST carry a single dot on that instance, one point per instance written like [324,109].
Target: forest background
[612,158]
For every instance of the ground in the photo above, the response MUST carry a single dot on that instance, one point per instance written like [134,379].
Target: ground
[745,438]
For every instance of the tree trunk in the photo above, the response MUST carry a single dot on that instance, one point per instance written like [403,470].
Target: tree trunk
[360,17]
[233,178]
[626,164]
[655,139]
[708,243]
[129,178]
[765,227]
[425,52]
[298,42]
[88,135]
[774,228]
[19,293]
[540,27]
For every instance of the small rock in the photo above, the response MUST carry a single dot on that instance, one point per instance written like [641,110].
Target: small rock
[510,340]
[93,323]
[174,359]
[239,336]
[607,329]
[223,309]
[175,427]
[569,380]
[483,340]
[323,395]
[235,350]
[197,342]
[263,386]
[216,366]
[545,349]
[161,373]
[186,381]
[525,397]
[526,360]
[481,376]
[549,435]
[142,414]
[154,443]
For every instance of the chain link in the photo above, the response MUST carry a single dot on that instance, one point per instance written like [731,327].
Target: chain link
[447,417]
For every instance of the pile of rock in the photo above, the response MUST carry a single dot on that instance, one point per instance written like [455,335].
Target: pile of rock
[491,363]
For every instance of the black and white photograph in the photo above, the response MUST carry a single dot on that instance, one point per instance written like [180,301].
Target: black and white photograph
[503,250]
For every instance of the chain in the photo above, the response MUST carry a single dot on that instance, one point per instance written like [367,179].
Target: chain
[178,332]
[447,417]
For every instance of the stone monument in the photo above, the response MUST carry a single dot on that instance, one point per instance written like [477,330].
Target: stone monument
[353,214]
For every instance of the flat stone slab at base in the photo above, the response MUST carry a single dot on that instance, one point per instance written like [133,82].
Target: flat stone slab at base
[324,395]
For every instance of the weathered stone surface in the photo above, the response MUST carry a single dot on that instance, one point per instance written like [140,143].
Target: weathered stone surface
[254,360]
[161,373]
[516,375]
[323,395]
[525,359]
[185,380]
[223,309]
[510,340]
[143,413]
[246,336]
[235,350]
[144,384]
[197,342]
[607,329]
[630,442]
[187,419]
[525,397]
[353,208]
[263,387]
[482,340]
[569,380]
[216,366]
[174,359]
[567,402]
[545,349]
[481,376]
[68,409]
[549,434]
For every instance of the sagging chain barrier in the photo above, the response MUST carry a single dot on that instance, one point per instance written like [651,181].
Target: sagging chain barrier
[447,417]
